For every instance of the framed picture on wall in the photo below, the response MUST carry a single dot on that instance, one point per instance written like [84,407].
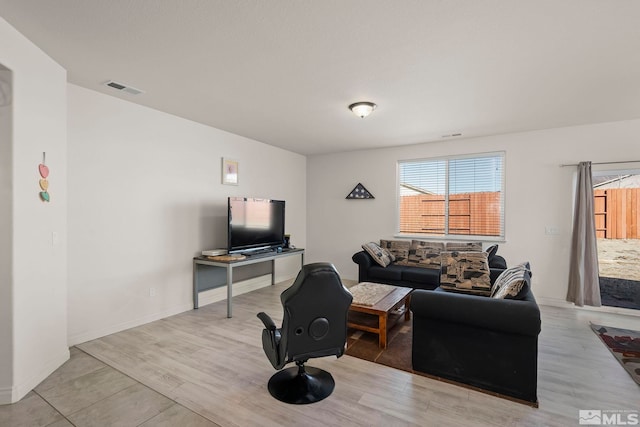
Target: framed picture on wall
[229,171]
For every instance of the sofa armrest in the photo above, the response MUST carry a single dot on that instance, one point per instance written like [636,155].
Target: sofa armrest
[503,315]
[365,262]
[363,259]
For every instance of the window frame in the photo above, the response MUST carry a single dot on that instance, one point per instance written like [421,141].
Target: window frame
[446,236]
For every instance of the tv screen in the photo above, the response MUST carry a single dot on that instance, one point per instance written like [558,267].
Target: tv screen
[255,224]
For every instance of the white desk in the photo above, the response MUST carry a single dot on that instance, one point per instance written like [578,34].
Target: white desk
[204,262]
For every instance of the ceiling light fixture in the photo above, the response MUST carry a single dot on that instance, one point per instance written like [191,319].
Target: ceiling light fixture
[362,109]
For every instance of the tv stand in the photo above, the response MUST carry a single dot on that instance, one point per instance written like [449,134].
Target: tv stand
[202,262]
[259,252]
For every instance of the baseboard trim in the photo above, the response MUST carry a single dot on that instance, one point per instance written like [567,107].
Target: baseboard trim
[554,302]
[112,329]
[13,394]
[204,298]
[5,395]
[219,294]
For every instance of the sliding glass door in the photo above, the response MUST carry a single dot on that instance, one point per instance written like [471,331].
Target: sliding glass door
[617,217]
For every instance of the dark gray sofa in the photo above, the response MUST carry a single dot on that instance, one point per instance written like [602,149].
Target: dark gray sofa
[409,276]
[484,342]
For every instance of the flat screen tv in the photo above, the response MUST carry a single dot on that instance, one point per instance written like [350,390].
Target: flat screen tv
[255,224]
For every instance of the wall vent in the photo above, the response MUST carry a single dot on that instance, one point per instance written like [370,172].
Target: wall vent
[123,87]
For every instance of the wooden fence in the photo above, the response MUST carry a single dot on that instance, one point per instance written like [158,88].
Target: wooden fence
[476,214]
[617,213]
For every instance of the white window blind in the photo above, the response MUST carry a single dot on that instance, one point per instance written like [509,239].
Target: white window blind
[455,196]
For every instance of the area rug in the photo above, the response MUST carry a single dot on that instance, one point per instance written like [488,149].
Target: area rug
[621,293]
[624,344]
[364,345]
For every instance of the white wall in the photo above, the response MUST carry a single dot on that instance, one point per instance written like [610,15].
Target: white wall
[6,235]
[539,193]
[145,197]
[36,281]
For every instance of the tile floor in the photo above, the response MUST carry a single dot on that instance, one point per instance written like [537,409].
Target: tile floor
[87,392]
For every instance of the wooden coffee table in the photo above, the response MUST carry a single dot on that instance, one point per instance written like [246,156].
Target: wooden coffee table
[376,318]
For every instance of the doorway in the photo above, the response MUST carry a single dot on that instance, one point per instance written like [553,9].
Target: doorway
[617,218]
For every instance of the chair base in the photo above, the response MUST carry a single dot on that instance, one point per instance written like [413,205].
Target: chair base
[301,385]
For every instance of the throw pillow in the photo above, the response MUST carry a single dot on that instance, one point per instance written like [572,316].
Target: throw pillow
[491,252]
[498,262]
[464,246]
[425,254]
[465,272]
[380,255]
[513,283]
[399,249]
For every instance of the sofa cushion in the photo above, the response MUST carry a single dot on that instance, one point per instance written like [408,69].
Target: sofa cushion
[390,273]
[464,246]
[425,254]
[380,255]
[465,272]
[421,275]
[513,283]
[398,248]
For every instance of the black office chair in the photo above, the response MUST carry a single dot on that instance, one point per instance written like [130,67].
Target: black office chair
[314,325]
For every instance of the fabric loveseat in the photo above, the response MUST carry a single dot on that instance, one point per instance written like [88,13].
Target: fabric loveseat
[417,263]
[484,342]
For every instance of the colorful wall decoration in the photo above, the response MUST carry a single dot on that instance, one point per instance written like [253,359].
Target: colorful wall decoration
[44,182]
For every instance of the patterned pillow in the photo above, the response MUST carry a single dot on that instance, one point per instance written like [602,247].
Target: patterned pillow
[425,254]
[380,255]
[399,249]
[513,283]
[491,252]
[465,272]
[464,246]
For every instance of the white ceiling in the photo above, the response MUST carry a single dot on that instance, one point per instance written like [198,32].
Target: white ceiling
[284,72]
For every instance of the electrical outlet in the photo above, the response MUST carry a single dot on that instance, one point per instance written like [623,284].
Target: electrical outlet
[152,292]
[55,238]
[551,230]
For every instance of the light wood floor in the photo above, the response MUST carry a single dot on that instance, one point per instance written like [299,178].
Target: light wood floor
[211,370]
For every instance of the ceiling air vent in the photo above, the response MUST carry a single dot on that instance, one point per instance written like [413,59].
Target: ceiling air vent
[123,87]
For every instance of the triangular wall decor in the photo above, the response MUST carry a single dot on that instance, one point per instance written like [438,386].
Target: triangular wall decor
[359,192]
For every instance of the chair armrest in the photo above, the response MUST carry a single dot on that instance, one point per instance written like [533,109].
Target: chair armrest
[267,321]
[501,315]
[271,340]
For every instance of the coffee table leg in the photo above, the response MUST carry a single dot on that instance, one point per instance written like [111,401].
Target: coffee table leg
[382,326]
[407,312]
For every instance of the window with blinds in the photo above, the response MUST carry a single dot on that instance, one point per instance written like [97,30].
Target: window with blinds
[454,196]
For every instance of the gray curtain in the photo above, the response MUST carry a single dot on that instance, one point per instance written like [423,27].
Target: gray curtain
[584,283]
